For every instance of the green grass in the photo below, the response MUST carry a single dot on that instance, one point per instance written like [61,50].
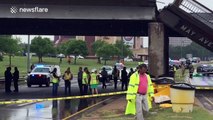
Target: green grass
[167,114]
[160,114]
[21,63]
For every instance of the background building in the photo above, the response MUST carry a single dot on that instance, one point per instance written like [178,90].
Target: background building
[179,41]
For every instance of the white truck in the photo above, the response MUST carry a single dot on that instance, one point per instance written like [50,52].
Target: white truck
[41,74]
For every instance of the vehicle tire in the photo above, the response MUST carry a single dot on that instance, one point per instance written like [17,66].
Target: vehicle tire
[40,85]
[48,84]
[28,85]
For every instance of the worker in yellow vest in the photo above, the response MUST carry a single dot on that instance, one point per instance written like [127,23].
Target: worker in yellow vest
[85,81]
[67,78]
[139,92]
[55,82]
[94,82]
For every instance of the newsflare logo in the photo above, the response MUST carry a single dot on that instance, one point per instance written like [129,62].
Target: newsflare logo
[15,10]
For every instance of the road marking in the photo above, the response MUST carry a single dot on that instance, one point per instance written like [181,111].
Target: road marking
[207,99]
[24,104]
[85,109]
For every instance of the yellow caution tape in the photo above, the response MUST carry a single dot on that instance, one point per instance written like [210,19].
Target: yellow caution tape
[61,98]
[204,88]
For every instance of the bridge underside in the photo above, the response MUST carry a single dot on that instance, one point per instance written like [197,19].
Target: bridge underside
[76,27]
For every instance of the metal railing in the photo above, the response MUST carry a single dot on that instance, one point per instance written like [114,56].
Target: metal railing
[197,10]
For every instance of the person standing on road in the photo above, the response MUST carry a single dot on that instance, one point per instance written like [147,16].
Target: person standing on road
[8,79]
[129,75]
[115,74]
[94,82]
[55,82]
[182,69]
[191,71]
[85,81]
[15,79]
[67,78]
[104,75]
[124,78]
[139,91]
[80,75]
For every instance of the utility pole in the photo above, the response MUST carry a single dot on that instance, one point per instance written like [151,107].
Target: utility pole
[28,54]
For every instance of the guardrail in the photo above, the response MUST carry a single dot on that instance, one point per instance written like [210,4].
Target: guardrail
[197,10]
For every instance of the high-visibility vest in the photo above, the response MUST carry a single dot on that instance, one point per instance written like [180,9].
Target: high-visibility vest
[139,63]
[85,78]
[55,80]
[67,76]
[132,91]
[93,79]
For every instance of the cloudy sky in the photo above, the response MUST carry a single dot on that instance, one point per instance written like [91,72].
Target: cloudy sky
[160,4]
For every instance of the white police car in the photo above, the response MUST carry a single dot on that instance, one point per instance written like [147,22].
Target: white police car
[41,74]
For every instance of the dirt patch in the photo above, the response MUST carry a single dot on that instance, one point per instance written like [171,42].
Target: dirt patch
[113,111]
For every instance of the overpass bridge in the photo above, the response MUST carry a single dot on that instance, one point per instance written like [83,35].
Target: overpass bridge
[112,17]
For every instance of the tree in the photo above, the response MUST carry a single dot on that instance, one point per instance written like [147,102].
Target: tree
[123,50]
[62,48]
[9,45]
[107,51]
[96,45]
[194,49]
[42,46]
[76,47]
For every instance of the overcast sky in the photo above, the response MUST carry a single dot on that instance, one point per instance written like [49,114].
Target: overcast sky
[160,4]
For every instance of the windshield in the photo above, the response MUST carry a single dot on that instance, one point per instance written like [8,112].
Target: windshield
[43,70]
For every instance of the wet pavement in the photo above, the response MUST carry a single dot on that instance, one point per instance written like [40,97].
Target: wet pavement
[47,110]
[202,81]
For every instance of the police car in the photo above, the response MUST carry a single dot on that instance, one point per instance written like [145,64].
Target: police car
[41,74]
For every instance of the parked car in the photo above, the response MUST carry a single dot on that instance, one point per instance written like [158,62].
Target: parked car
[205,69]
[195,60]
[183,60]
[41,74]
[127,59]
[78,57]
[175,63]
[60,56]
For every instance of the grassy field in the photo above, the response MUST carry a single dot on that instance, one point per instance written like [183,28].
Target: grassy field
[21,63]
[159,114]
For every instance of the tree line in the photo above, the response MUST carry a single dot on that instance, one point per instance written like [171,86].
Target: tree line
[44,46]
[194,49]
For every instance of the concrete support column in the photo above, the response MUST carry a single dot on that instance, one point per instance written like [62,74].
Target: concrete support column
[156,49]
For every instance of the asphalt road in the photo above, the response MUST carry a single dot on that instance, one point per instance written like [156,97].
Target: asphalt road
[206,99]
[49,109]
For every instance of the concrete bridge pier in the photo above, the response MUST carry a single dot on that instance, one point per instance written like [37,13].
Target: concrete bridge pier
[158,49]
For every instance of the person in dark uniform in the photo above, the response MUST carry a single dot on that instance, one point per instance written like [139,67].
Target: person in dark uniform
[80,76]
[15,79]
[124,78]
[8,79]
[32,67]
[129,75]
[191,70]
[115,74]
[104,77]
